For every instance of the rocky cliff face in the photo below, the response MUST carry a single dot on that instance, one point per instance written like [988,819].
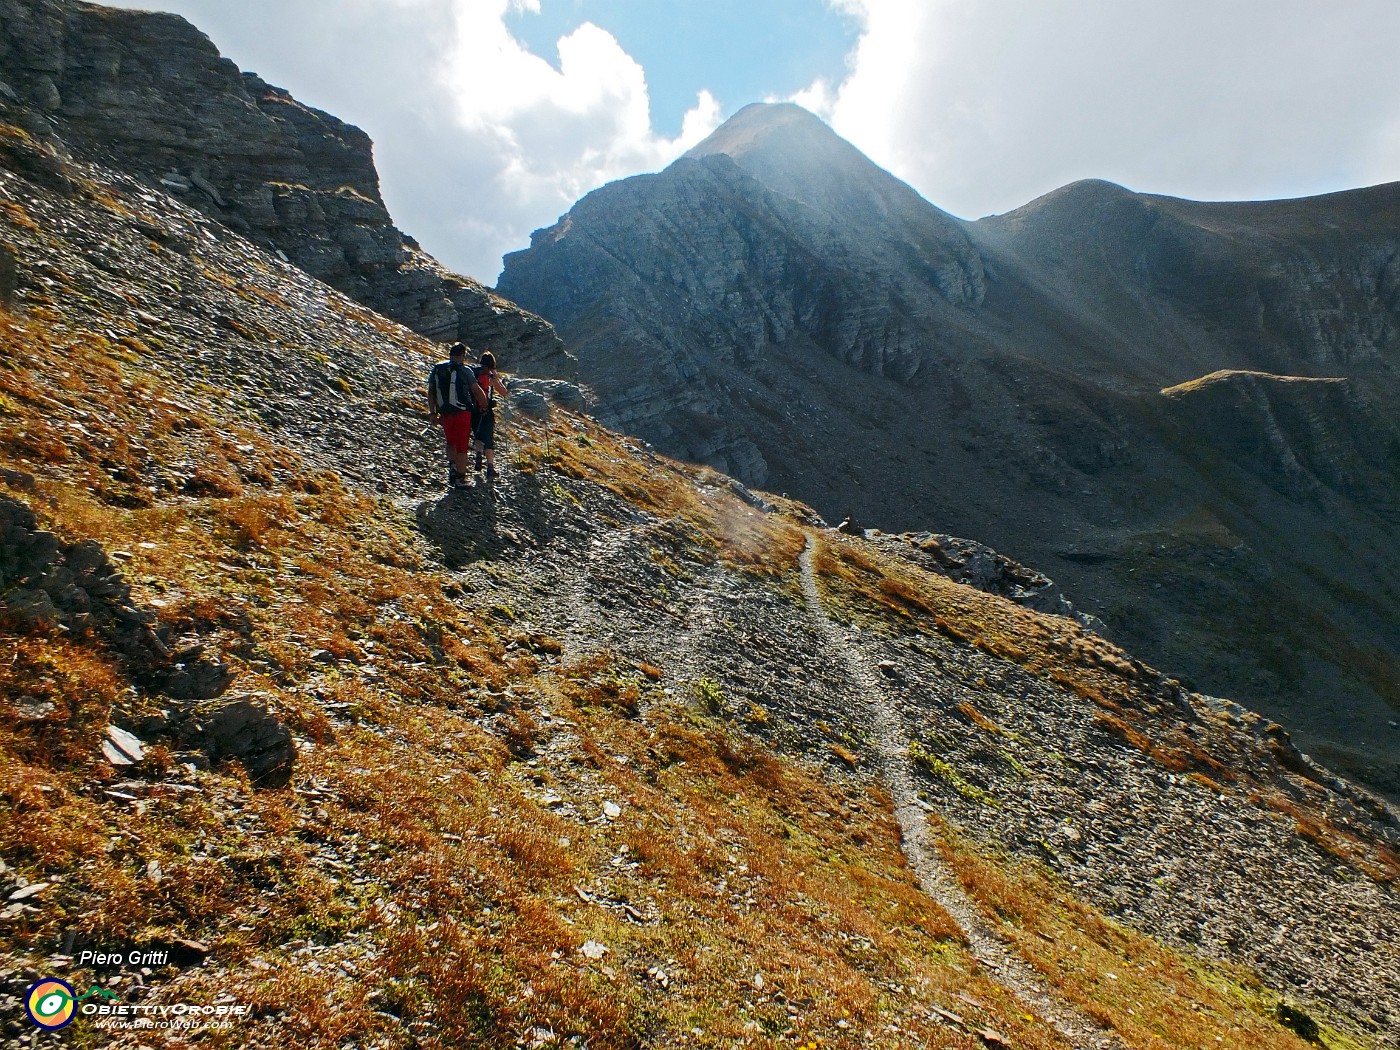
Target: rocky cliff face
[775,305]
[149,94]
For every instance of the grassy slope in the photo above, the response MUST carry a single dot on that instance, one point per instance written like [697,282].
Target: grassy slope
[412,890]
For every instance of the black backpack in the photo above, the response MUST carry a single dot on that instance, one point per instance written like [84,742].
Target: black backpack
[446,375]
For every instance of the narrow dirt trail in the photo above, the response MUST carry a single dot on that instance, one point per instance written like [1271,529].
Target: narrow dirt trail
[892,747]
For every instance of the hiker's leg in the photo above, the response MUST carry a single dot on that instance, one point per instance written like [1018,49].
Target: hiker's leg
[486,434]
[449,446]
[458,430]
[475,444]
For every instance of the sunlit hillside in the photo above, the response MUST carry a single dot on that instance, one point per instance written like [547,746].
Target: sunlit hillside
[613,753]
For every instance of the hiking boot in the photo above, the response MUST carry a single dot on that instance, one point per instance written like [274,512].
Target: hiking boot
[453,477]
[491,473]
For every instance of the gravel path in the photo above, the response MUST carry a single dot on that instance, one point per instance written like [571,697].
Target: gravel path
[891,745]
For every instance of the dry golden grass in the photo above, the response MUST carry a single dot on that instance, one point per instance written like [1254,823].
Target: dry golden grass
[45,668]
[1225,375]
[15,213]
[980,720]
[1383,865]
[1116,726]
[863,581]
[701,511]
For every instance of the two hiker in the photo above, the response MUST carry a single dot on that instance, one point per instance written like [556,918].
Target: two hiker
[462,398]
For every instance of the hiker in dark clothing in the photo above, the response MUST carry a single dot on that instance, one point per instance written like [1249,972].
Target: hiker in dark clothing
[488,385]
[450,402]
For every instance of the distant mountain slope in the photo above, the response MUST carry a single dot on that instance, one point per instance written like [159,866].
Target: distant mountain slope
[1188,287]
[777,306]
[150,94]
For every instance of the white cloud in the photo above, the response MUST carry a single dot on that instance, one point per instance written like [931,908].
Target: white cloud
[699,121]
[557,133]
[819,97]
[985,104]
[527,138]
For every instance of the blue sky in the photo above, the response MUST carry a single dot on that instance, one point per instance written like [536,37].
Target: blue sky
[492,117]
[740,50]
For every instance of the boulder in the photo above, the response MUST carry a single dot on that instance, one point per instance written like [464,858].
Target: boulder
[122,748]
[242,728]
[531,402]
[535,397]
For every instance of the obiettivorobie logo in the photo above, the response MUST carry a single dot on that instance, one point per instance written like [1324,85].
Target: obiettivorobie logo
[52,1004]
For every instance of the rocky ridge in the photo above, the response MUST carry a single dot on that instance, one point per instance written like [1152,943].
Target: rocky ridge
[977,565]
[149,94]
[776,306]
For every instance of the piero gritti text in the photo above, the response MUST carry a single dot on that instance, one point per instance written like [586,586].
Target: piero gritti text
[131,958]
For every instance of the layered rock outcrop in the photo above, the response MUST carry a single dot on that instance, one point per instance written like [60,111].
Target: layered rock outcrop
[75,588]
[976,565]
[149,94]
[777,306]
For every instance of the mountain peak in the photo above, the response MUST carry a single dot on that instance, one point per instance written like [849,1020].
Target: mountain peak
[795,153]
[762,126]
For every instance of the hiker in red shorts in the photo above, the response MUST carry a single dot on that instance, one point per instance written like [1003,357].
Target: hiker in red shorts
[450,403]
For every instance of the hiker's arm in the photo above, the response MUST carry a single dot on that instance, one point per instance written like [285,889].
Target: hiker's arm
[478,394]
[432,398]
[499,386]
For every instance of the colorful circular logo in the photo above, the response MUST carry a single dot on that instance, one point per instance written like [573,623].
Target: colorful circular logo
[50,1003]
